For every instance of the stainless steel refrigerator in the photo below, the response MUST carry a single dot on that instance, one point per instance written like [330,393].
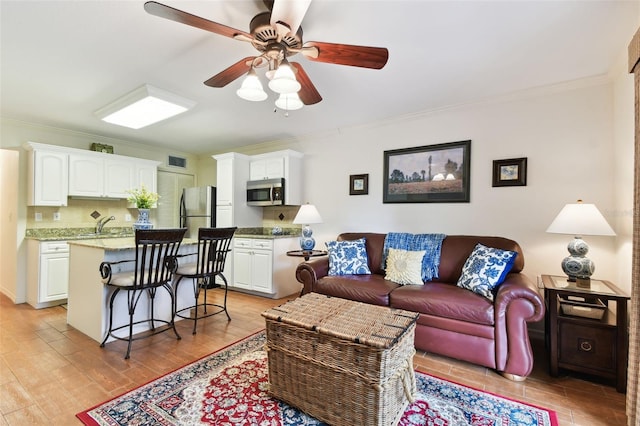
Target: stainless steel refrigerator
[197,209]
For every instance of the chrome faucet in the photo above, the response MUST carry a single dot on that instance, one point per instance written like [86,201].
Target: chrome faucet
[102,222]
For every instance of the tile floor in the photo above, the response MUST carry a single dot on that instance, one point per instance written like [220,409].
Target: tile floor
[49,371]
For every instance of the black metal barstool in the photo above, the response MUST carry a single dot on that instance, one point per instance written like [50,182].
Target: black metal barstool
[155,264]
[213,247]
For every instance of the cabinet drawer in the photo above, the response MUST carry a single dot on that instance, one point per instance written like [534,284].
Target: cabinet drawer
[54,247]
[262,244]
[242,243]
[256,243]
[587,345]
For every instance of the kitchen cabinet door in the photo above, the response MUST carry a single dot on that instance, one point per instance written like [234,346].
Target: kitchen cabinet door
[119,177]
[48,178]
[86,176]
[48,273]
[262,271]
[268,168]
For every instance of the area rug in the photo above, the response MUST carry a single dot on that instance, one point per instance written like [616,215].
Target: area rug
[229,387]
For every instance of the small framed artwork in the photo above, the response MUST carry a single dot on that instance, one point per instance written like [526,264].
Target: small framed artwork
[428,174]
[359,184]
[510,172]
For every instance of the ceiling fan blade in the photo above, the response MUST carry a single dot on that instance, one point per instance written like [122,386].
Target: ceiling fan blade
[167,12]
[289,12]
[346,54]
[308,93]
[229,74]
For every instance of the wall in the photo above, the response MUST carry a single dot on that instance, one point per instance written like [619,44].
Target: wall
[565,131]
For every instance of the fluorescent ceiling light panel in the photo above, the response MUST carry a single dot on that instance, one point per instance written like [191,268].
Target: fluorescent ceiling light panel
[144,106]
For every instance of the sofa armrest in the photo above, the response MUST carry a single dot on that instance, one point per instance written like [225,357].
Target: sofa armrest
[517,302]
[310,271]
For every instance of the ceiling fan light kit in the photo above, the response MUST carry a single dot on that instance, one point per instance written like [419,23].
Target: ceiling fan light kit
[284,80]
[277,35]
[251,89]
[144,106]
[289,101]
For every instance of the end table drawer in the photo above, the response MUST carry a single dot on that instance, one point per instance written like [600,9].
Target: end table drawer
[587,346]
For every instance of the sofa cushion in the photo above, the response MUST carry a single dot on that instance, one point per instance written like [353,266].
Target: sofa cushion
[347,257]
[430,243]
[444,300]
[404,266]
[485,269]
[372,289]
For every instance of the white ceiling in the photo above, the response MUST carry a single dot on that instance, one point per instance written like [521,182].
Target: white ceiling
[63,60]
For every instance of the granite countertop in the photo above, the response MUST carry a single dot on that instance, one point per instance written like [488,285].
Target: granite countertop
[267,233]
[85,234]
[126,243]
[70,234]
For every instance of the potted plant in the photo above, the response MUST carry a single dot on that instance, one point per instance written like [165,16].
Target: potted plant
[144,200]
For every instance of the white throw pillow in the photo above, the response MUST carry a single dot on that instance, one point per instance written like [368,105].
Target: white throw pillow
[404,266]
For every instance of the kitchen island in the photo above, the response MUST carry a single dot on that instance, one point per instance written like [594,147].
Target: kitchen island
[88,297]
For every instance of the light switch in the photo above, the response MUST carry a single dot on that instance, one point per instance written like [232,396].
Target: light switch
[127,217]
[38,217]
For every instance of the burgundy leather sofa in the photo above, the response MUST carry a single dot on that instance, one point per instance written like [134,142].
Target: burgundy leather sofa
[453,321]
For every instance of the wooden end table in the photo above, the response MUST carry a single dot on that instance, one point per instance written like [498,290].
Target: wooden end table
[582,333]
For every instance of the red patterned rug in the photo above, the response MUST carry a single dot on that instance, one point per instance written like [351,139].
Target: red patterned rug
[229,387]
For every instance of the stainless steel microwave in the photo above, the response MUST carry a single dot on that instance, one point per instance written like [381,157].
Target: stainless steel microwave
[266,192]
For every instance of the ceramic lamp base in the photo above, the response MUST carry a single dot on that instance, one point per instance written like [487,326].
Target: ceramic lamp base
[577,265]
[306,240]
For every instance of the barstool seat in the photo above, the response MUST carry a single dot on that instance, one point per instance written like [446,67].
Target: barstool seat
[154,266]
[213,247]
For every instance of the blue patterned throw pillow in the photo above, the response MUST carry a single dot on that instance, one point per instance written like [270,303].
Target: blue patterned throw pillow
[348,257]
[485,269]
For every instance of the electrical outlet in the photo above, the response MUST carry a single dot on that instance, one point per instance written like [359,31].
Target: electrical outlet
[127,217]
[56,215]
[38,217]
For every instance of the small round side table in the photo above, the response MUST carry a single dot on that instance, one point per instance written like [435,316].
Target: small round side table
[306,253]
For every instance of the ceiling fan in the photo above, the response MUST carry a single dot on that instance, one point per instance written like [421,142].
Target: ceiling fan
[277,35]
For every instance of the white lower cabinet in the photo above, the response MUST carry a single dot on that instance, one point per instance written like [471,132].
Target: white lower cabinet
[261,266]
[47,273]
[253,264]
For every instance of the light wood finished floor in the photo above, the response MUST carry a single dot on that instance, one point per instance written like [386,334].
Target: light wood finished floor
[49,371]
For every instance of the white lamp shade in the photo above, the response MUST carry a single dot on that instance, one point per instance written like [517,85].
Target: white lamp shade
[284,80]
[289,101]
[307,214]
[251,89]
[580,219]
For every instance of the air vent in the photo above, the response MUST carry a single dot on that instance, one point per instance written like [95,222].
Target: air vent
[177,161]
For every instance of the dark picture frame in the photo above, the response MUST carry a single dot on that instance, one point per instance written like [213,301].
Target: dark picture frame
[359,184]
[510,172]
[438,173]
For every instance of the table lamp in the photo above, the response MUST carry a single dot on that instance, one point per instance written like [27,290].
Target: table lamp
[579,219]
[308,214]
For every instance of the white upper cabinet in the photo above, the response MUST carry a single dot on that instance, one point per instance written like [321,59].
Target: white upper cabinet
[57,172]
[267,168]
[92,176]
[48,180]
[285,164]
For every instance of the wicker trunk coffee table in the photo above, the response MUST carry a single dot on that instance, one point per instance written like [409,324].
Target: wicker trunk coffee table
[342,362]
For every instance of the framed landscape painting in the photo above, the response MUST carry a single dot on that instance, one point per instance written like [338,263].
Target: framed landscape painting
[428,174]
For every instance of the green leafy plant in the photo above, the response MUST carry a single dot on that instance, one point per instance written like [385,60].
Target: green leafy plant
[142,198]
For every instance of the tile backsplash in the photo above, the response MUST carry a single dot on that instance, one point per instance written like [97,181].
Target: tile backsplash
[77,214]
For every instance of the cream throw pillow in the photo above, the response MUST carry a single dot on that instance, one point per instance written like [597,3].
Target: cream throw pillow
[404,266]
